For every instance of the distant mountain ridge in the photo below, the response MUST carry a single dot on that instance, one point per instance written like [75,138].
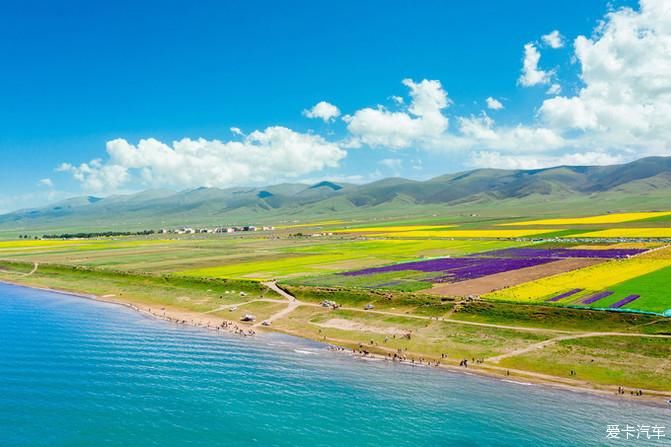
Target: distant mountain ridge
[641,183]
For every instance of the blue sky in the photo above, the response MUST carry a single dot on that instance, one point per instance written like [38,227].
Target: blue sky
[77,75]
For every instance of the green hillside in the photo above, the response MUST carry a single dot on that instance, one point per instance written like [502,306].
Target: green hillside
[640,185]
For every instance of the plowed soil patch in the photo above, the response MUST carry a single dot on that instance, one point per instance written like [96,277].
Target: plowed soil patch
[486,284]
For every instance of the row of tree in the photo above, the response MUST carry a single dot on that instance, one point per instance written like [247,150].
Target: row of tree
[96,234]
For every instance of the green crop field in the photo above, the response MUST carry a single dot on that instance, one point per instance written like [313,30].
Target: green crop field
[338,255]
[654,290]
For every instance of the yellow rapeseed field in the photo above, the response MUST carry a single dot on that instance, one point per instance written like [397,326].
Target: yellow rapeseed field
[469,233]
[663,252]
[593,278]
[629,233]
[394,229]
[31,243]
[602,219]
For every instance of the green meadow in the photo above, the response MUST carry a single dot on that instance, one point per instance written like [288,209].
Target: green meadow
[654,290]
[249,257]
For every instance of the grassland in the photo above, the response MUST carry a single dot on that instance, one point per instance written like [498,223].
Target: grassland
[639,362]
[189,294]
[421,338]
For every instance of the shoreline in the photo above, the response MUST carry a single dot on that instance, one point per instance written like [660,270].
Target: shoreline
[518,377]
[169,315]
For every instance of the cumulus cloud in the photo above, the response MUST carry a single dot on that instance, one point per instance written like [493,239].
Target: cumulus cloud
[273,154]
[96,176]
[481,132]
[421,120]
[553,39]
[621,110]
[554,89]
[494,104]
[323,110]
[531,74]
[626,70]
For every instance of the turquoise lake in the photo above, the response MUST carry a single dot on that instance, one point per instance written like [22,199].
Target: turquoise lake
[76,372]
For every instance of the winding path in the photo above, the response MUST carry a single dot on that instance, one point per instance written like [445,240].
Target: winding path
[36,265]
[543,344]
[293,303]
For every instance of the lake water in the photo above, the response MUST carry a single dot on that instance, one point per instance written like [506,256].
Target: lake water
[75,372]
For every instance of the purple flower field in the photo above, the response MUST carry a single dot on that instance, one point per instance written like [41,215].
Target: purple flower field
[624,301]
[457,269]
[596,297]
[564,295]
[492,262]
[526,252]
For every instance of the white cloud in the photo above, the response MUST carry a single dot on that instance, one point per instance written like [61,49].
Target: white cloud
[398,99]
[96,176]
[531,74]
[622,110]
[273,154]
[554,89]
[481,132]
[422,120]
[553,39]
[323,110]
[488,159]
[626,70]
[494,104]
[237,131]
[46,182]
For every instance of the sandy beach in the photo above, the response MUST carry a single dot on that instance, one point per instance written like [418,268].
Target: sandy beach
[377,353]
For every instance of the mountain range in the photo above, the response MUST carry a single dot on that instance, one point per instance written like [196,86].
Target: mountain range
[638,185]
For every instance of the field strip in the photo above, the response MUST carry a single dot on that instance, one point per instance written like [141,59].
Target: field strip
[551,341]
[592,220]
[652,250]
[497,281]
